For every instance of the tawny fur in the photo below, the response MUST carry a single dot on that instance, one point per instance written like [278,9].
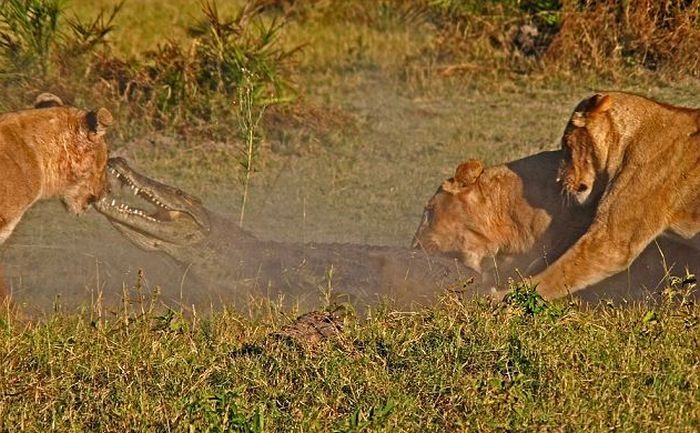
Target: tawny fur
[50,152]
[640,160]
[511,220]
[510,215]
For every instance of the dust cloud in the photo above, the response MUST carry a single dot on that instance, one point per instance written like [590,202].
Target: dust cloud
[366,185]
[59,263]
[69,263]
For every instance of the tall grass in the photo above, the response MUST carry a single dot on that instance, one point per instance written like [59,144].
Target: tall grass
[568,38]
[195,84]
[611,37]
[250,114]
[29,33]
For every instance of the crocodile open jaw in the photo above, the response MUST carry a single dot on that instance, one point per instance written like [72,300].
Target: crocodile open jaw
[175,217]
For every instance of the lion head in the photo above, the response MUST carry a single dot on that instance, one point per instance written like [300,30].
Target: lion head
[511,214]
[585,147]
[89,172]
[75,153]
[457,219]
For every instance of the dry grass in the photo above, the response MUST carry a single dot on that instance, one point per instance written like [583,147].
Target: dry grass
[639,35]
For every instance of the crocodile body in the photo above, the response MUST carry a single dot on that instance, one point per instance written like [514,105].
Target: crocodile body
[233,258]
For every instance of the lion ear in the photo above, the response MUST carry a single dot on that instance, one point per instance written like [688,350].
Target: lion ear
[468,172]
[578,120]
[98,122]
[46,100]
[603,103]
[596,104]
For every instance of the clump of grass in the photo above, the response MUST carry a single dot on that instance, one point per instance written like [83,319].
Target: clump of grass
[609,37]
[198,83]
[524,297]
[565,37]
[29,33]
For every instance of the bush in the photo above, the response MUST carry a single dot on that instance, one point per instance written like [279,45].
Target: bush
[199,82]
[598,37]
[34,45]
[607,36]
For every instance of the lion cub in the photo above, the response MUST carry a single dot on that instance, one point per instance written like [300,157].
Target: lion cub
[640,160]
[50,151]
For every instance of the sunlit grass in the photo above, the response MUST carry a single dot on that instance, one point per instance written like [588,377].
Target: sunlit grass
[461,365]
[143,24]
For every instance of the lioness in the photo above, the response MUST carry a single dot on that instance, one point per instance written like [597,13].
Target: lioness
[509,215]
[50,151]
[511,219]
[640,160]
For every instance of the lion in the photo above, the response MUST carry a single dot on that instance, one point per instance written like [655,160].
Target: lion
[639,160]
[510,220]
[508,215]
[50,151]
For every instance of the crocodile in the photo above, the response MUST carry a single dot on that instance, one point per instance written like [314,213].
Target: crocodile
[218,251]
[231,263]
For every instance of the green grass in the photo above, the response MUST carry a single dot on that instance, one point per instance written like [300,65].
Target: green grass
[458,366]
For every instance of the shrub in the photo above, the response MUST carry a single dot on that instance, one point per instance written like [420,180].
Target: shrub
[34,44]
[199,82]
[608,36]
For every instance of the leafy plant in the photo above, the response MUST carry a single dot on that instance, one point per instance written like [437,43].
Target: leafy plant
[33,40]
[524,297]
[29,32]
[227,58]
[219,412]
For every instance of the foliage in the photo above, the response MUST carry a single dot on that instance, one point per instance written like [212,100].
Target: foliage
[457,366]
[34,42]
[525,298]
[609,36]
[200,82]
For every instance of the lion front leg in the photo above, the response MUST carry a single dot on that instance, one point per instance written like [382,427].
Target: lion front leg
[598,254]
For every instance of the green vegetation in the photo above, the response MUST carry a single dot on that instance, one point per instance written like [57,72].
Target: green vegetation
[458,366]
[335,120]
